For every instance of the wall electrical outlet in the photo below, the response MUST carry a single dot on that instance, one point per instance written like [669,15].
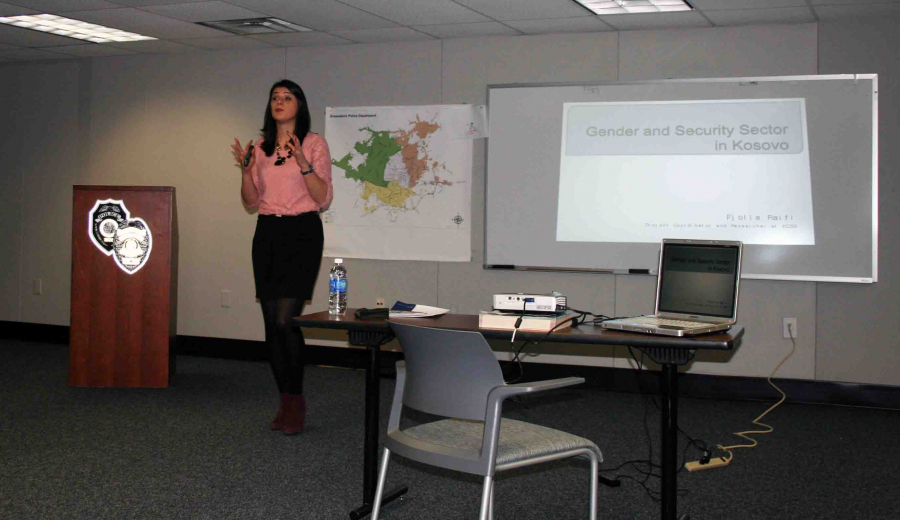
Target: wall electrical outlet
[36,287]
[379,303]
[226,298]
[792,331]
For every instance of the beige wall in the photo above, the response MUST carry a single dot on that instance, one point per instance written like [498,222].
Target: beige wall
[857,326]
[168,120]
[10,197]
[41,162]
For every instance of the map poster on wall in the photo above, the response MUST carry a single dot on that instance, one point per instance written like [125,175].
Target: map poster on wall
[401,179]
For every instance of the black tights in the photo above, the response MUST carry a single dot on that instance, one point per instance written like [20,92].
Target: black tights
[285,343]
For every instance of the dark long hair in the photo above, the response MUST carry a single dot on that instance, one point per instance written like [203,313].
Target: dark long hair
[301,122]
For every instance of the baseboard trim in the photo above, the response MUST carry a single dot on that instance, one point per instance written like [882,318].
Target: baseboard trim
[705,386]
[57,334]
[249,350]
[606,378]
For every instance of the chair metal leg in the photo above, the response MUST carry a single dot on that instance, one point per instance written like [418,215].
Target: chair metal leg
[379,489]
[491,505]
[595,468]
[486,494]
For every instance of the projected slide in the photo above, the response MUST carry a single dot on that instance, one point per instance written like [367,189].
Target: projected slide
[710,169]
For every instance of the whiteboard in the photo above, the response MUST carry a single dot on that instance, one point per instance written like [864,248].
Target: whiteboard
[589,177]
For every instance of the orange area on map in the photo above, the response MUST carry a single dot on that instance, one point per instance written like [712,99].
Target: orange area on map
[415,166]
[423,128]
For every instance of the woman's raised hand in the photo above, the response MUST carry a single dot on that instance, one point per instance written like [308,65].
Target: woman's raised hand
[293,147]
[243,156]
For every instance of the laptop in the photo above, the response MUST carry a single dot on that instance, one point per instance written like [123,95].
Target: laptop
[696,290]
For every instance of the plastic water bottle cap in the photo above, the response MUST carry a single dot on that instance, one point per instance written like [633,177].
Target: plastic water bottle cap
[339,260]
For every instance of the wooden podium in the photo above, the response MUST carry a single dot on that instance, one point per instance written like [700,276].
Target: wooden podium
[124,286]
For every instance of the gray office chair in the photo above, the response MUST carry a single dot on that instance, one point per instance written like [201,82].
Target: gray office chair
[454,374]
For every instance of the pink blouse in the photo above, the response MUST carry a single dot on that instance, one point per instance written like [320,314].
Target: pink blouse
[282,190]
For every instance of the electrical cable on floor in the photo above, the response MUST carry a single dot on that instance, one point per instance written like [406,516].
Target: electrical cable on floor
[769,429]
[654,495]
[636,464]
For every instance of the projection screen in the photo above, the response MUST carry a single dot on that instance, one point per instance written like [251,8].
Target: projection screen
[590,177]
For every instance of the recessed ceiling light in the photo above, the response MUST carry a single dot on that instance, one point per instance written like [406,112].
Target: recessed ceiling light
[52,24]
[249,26]
[605,7]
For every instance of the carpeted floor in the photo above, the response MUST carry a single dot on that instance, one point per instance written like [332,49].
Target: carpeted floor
[202,449]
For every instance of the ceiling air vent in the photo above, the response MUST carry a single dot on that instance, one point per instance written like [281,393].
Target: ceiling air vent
[251,26]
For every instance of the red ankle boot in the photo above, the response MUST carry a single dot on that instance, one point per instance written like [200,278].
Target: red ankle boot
[278,422]
[294,414]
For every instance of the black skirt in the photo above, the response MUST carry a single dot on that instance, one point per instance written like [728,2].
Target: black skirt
[287,253]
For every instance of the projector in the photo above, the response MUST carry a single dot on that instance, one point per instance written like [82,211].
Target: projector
[552,303]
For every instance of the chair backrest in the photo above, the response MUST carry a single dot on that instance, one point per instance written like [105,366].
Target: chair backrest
[448,372]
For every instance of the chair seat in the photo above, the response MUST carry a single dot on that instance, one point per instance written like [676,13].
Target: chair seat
[518,440]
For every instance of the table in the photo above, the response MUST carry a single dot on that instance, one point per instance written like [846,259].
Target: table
[669,352]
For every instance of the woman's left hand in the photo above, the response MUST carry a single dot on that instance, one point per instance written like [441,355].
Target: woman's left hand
[294,147]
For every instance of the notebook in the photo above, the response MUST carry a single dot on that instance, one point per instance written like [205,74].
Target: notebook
[696,290]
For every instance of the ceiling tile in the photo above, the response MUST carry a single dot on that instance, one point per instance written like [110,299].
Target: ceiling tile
[840,12]
[142,22]
[203,11]
[56,6]
[762,16]
[628,22]
[90,50]
[390,34]
[320,15]
[715,5]
[525,9]
[28,38]
[15,10]
[465,30]
[336,22]
[31,54]
[832,2]
[590,23]
[227,42]
[301,39]
[156,47]
[142,3]
[419,12]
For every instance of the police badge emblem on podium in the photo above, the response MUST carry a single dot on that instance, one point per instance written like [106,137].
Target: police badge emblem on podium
[127,240]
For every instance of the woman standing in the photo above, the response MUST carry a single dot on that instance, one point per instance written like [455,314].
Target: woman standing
[287,177]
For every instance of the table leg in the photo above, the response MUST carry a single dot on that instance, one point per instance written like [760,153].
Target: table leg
[370,447]
[669,391]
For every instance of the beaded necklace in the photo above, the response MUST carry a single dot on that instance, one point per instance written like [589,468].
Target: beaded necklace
[281,159]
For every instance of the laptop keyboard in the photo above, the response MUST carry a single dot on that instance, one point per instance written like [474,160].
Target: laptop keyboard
[668,321]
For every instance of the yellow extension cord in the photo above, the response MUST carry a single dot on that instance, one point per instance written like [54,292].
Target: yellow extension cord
[744,434]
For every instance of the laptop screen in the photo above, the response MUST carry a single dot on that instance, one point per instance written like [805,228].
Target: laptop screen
[699,279]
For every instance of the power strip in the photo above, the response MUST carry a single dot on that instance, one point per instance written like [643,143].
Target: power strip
[717,462]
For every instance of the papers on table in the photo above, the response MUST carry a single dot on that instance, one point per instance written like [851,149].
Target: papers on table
[411,310]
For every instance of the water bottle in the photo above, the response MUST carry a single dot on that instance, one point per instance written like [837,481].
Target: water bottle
[337,288]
